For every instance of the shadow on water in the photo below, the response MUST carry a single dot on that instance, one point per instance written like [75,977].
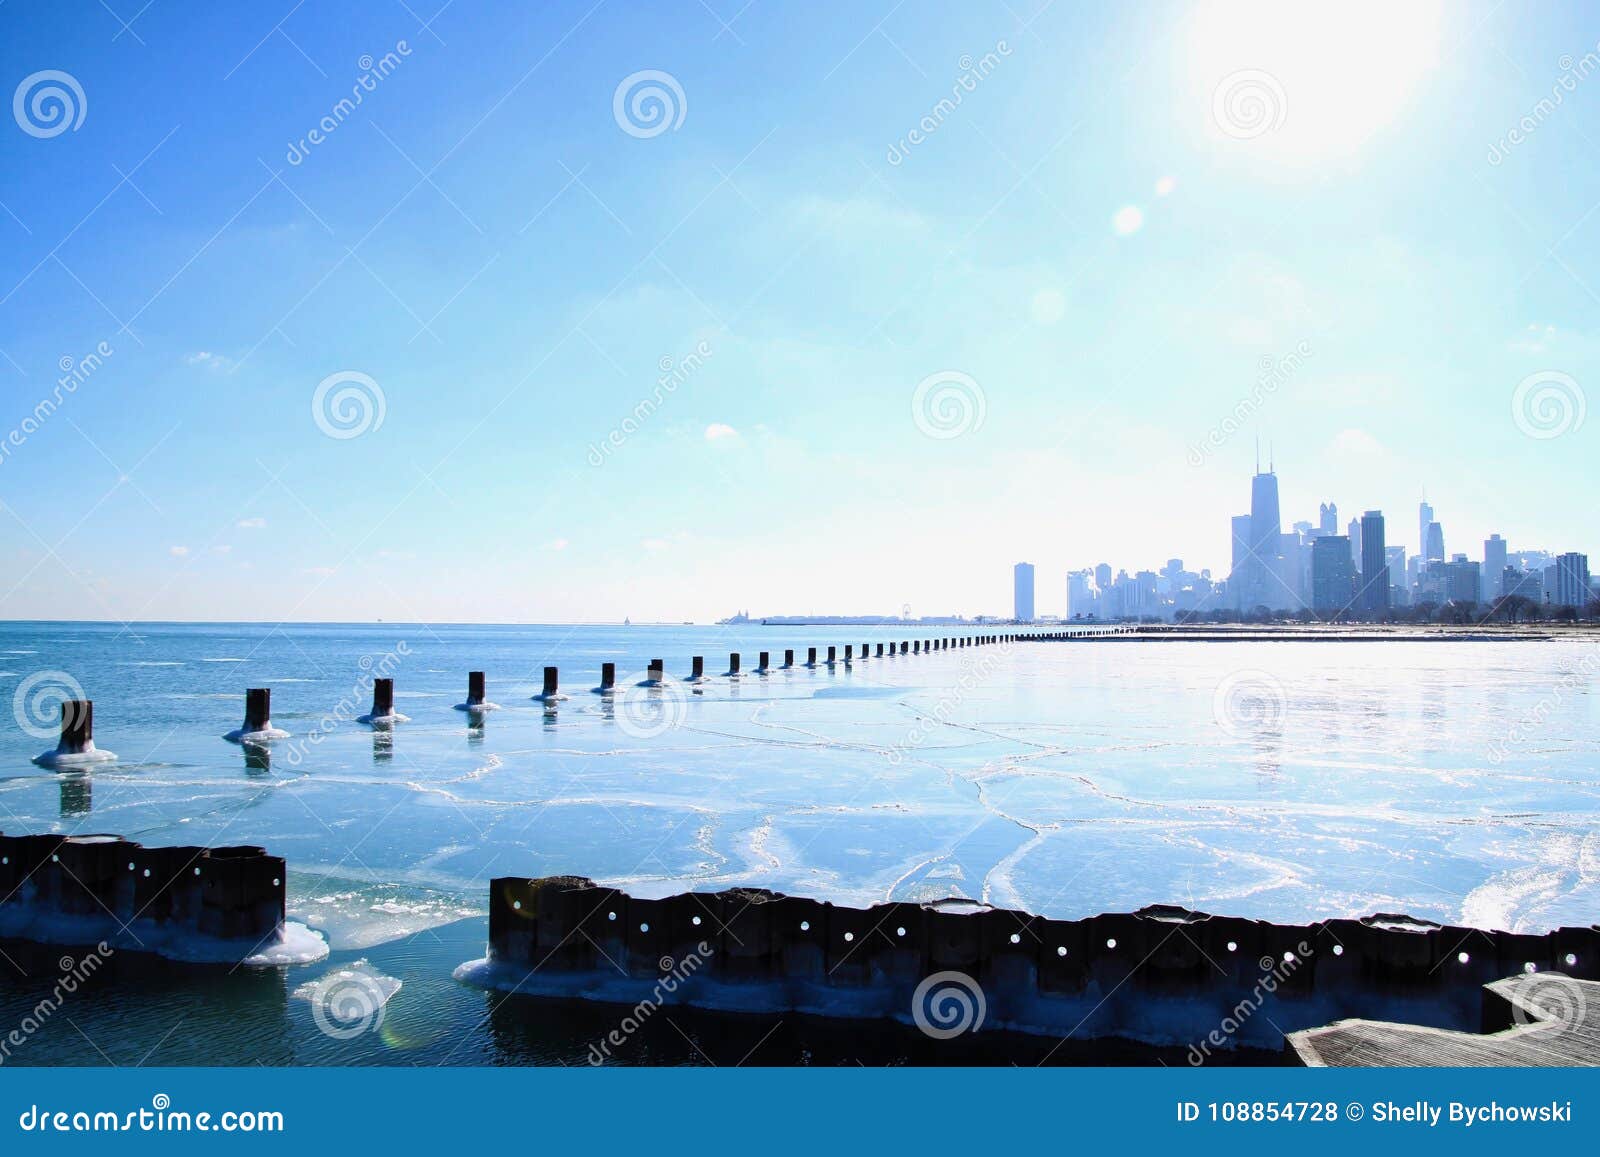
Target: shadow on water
[77,795]
[140,1009]
[532,1030]
[76,1006]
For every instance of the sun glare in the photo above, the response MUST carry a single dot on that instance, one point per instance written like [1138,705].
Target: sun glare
[1306,82]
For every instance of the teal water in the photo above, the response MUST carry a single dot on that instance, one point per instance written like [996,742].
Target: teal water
[1281,780]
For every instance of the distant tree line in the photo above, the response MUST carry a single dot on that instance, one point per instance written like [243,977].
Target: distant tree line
[1506,609]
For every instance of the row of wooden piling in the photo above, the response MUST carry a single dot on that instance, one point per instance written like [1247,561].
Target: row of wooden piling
[77,716]
[567,924]
[232,893]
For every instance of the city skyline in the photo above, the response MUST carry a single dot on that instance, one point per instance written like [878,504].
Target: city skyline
[1311,566]
[586,404]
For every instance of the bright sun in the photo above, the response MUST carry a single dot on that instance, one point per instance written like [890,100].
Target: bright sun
[1304,82]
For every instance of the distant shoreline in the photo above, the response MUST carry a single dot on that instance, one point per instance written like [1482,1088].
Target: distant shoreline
[1319,633]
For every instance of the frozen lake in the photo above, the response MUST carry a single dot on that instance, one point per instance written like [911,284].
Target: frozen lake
[1283,780]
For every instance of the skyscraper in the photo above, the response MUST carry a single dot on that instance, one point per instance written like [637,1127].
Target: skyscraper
[1433,543]
[1239,539]
[1424,518]
[1328,523]
[1333,579]
[1022,581]
[1257,572]
[1395,556]
[1572,581]
[1374,565]
[1494,567]
[1461,580]
[1080,594]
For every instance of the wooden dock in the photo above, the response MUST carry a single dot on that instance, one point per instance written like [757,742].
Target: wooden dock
[1534,1020]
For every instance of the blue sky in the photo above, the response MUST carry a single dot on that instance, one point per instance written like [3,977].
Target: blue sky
[1094,249]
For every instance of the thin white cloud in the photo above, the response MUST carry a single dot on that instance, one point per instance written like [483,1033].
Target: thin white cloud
[251,523]
[1357,443]
[719,431]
